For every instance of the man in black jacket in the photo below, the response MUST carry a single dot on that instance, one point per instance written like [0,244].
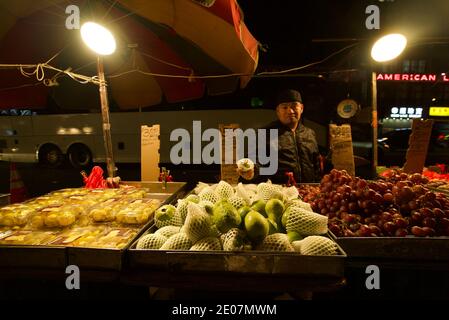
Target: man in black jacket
[297,146]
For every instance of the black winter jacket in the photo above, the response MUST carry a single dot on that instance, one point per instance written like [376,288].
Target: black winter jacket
[298,153]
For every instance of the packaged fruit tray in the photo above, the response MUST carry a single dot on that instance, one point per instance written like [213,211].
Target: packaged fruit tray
[245,229]
[97,245]
[97,256]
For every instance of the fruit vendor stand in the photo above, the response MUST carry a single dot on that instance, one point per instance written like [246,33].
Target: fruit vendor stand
[263,262]
[219,237]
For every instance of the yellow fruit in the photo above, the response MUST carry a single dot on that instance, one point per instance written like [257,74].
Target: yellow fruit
[51,220]
[66,219]
[37,222]
[8,219]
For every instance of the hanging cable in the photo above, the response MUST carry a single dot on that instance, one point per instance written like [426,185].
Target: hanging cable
[39,71]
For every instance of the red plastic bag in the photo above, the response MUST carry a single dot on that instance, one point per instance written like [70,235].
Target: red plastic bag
[95,179]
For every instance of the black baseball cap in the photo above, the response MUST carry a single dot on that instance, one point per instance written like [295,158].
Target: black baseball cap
[289,95]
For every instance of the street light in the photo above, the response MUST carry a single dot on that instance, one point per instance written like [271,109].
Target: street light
[384,49]
[102,42]
[388,47]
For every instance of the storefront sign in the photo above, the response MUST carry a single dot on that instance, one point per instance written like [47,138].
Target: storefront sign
[429,77]
[406,112]
[439,111]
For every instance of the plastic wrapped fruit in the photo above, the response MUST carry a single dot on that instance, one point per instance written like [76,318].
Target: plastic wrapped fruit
[106,211]
[53,217]
[15,215]
[137,212]
[28,238]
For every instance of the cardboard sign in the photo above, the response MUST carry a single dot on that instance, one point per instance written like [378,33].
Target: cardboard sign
[341,146]
[228,170]
[149,153]
[418,144]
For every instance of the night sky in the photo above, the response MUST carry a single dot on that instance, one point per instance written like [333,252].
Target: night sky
[289,29]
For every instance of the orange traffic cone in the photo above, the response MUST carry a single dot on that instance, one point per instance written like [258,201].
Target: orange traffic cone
[16,187]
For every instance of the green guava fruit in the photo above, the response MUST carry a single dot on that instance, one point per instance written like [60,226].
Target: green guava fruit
[256,226]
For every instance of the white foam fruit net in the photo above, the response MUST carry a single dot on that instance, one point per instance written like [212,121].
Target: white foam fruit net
[197,224]
[200,187]
[207,244]
[305,222]
[276,242]
[241,192]
[233,240]
[178,241]
[151,241]
[290,193]
[316,246]
[300,204]
[207,205]
[224,190]
[237,202]
[267,191]
[208,195]
[168,231]
[173,221]
[181,209]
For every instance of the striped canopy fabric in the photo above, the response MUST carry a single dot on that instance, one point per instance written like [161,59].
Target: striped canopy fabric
[167,51]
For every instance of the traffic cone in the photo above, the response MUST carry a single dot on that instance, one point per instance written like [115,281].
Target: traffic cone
[16,187]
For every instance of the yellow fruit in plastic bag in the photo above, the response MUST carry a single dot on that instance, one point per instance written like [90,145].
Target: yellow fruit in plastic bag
[37,222]
[8,220]
[66,219]
[51,220]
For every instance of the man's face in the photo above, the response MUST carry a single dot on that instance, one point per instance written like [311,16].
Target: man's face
[289,113]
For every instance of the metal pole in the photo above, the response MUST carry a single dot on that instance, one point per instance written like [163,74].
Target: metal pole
[106,124]
[374,120]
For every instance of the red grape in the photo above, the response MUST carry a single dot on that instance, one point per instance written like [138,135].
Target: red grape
[418,231]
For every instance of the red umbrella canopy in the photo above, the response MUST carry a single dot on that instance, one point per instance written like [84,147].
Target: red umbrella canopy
[166,50]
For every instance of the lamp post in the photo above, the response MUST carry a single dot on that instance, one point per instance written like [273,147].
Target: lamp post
[384,49]
[102,42]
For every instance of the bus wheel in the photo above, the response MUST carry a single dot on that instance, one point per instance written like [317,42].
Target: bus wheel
[50,155]
[80,156]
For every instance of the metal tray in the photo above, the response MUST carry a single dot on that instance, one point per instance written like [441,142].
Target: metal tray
[112,259]
[245,262]
[434,249]
[33,257]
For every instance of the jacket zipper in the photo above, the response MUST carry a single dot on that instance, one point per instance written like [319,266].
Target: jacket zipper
[298,166]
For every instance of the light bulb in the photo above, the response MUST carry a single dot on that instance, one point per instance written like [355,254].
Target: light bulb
[98,38]
[388,47]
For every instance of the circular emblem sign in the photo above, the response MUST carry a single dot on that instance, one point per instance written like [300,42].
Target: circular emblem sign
[347,108]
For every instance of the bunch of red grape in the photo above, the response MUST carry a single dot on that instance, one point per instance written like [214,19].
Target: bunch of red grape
[308,192]
[357,207]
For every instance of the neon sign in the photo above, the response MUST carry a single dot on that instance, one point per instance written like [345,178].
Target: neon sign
[406,112]
[417,77]
[439,111]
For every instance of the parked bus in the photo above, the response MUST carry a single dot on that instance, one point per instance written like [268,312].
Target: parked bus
[50,139]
